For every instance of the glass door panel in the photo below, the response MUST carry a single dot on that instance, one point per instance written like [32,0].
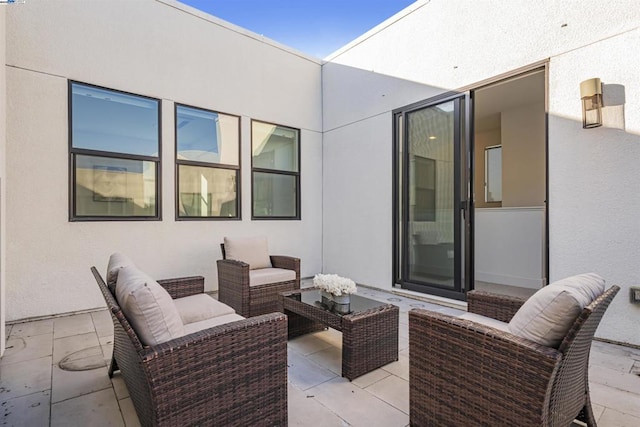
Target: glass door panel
[430,197]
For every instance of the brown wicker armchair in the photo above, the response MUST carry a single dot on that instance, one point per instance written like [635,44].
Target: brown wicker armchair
[248,300]
[229,375]
[465,373]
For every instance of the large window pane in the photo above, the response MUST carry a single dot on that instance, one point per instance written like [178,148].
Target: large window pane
[206,192]
[274,195]
[106,120]
[124,183]
[274,147]
[107,186]
[207,136]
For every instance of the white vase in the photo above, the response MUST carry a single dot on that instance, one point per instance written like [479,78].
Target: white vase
[340,304]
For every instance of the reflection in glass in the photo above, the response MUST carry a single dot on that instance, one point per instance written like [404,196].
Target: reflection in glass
[431,194]
[207,136]
[207,192]
[274,195]
[114,187]
[274,147]
[112,121]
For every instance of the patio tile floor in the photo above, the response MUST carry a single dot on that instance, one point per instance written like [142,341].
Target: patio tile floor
[35,392]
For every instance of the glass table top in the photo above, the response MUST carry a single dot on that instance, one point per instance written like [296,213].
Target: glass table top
[357,303]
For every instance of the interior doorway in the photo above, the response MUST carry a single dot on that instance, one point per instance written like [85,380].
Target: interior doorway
[510,185]
[470,189]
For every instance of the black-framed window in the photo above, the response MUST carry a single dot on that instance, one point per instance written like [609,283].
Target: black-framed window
[114,146]
[208,164]
[275,170]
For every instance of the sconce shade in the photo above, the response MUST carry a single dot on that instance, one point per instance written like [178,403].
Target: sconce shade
[591,95]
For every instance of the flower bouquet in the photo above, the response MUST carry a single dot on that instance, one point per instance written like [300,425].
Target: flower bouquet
[334,284]
[335,291]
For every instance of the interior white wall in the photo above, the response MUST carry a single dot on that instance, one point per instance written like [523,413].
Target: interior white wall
[3,157]
[509,246]
[523,156]
[164,50]
[593,221]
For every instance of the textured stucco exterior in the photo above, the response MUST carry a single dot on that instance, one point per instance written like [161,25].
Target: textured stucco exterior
[163,50]
[3,157]
[438,45]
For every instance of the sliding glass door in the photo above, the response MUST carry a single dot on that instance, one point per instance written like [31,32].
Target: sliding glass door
[431,221]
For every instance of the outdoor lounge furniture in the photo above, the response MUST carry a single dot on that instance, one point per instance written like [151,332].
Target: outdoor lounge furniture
[369,329]
[463,372]
[250,280]
[232,374]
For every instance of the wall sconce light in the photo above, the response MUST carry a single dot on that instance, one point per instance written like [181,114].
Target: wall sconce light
[591,94]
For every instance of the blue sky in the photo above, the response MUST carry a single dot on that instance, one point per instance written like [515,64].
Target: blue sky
[316,27]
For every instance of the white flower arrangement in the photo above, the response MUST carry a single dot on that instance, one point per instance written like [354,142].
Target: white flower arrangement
[334,284]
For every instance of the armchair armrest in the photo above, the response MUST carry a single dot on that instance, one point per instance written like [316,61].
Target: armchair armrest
[465,373]
[500,307]
[235,373]
[287,262]
[183,286]
[233,285]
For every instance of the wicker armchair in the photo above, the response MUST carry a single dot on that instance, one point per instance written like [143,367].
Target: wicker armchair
[234,287]
[229,375]
[465,373]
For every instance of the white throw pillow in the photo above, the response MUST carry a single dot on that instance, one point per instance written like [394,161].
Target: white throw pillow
[546,317]
[589,286]
[148,307]
[116,262]
[252,250]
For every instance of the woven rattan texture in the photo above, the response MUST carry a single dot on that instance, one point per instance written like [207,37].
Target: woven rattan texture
[464,373]
[500,307]
[249,301]
[230,375]
[369,338]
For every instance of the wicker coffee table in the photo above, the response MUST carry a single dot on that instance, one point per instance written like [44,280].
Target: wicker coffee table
[369,331]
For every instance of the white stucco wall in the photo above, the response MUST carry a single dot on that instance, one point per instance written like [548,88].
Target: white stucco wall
[593,175]
[3,157]
[164,50]
[445,45]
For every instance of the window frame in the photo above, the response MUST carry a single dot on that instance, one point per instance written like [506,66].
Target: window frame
[296,175]
[182,162]
[73,152]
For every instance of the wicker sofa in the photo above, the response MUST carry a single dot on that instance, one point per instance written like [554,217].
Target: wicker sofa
[462,372]
[233,374]
[250,280]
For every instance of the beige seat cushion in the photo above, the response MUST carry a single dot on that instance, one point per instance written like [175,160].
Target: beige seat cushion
[148,307]
[487,321]
[546,317]
[196,308]
[270,275]
[116,262]
[210,323]
[252,250]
